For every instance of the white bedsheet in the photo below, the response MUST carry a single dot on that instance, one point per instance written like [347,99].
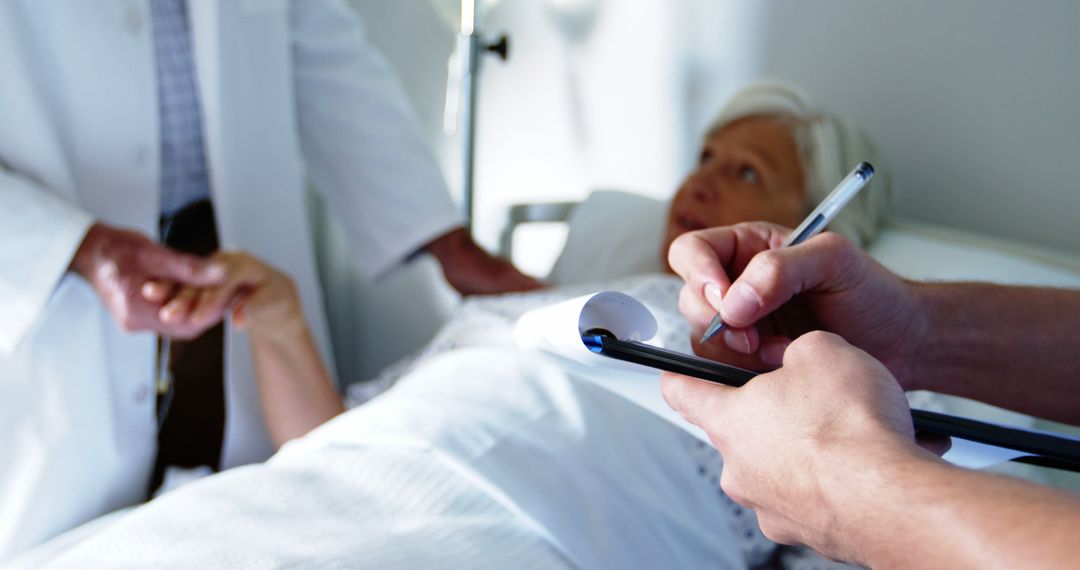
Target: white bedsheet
[490,321]
[483,458]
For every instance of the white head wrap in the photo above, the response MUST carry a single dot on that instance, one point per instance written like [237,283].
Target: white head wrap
[830,146]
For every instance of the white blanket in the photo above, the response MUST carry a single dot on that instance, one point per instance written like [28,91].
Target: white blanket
[481,458]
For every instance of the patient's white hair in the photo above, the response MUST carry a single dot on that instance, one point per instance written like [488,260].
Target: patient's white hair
[830,146]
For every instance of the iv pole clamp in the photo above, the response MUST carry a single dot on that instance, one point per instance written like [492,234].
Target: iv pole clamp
[460,110]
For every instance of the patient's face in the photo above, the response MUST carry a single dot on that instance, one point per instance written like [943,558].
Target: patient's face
[748,171]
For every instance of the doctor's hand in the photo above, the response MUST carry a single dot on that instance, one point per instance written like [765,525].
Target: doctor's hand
[119,262]
[805,446]
[472,271]
[769,295]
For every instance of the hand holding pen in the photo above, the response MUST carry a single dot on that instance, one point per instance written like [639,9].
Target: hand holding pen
[769,294]
[815,222]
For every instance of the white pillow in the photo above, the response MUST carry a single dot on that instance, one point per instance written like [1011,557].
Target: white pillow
[612,234]
[934,253]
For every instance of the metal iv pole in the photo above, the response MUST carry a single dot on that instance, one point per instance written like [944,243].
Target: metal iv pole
[464,72]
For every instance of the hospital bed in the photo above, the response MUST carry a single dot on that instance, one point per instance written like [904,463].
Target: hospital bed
[346,480]
[615,234]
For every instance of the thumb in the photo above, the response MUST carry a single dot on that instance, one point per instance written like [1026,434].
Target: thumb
[697,401]
[162,262]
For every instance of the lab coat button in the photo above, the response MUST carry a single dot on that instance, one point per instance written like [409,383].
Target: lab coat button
[141,394]
[134,20]
[142,153]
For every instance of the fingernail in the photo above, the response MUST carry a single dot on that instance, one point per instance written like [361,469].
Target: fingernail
[170,311]
[773,353]
[741,304]
[712,295]
[737,341]
[215,271]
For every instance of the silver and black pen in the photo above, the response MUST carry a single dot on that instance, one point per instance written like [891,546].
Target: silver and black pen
[815,222]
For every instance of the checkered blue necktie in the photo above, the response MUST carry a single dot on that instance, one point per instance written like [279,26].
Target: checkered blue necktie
[184,177]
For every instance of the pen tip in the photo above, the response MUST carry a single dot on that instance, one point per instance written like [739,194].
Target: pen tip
[711,331]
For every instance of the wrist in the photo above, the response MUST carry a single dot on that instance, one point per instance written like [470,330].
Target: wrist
[449,245]
[276,319]
[280,329]
[900,511]
[921,342]
[88,254]
[945,342]
[872,499]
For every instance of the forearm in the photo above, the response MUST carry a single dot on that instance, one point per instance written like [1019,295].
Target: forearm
[922,512]
[1015,347]
[40,232]
[295,389]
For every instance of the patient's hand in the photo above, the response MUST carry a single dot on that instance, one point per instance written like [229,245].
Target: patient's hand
[260,299]
[296,390]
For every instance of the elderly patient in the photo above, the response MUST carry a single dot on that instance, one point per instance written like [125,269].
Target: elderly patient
[770,156]
[484,454]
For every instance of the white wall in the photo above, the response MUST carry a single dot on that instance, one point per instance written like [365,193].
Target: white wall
[584,103]
[973,101]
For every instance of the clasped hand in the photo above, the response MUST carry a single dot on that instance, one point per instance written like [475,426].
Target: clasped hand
[149,287]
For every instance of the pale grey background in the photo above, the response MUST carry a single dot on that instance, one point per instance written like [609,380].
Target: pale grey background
[974,102]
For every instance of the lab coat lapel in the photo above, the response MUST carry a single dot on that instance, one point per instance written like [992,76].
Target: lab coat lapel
[243,60]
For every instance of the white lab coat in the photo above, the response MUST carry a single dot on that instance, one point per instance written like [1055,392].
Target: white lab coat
[289,91]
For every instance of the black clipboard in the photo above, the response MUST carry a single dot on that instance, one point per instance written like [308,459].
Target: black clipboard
[1047,450]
